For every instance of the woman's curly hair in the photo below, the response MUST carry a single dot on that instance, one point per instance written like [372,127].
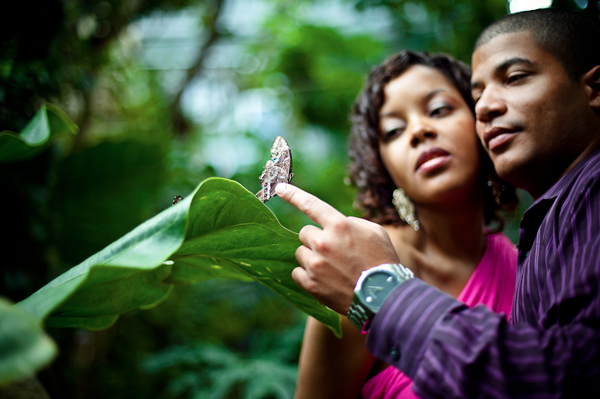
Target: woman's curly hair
[366,170]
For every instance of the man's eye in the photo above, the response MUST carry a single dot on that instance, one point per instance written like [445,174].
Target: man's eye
[515,77]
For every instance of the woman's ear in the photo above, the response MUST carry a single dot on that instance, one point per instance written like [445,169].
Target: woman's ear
[592,81]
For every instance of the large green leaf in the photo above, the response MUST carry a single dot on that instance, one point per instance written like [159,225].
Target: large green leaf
[221,230]
[24,347]
[48,124]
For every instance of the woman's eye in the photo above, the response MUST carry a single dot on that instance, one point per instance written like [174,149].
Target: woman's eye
[440,111]
[392,133]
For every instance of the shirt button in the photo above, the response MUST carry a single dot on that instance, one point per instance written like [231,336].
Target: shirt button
[394,354]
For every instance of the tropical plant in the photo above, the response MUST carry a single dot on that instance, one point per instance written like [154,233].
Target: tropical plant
[213,371]
[221,230]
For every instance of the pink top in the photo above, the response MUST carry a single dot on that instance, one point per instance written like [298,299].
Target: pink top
[492,284]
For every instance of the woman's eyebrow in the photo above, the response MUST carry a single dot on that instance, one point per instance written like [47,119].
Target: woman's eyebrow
[433,93]
[388,114]
[427,97]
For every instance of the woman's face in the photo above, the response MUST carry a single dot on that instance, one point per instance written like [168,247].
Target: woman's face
[428,143]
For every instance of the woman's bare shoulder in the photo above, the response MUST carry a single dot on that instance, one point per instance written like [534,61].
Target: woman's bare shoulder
[407,244]
[402,236]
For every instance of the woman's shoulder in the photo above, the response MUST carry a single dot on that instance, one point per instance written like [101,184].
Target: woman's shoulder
[403,237]
[407,243]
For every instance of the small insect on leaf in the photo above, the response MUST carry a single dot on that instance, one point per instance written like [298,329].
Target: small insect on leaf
[278,169]
[178,198]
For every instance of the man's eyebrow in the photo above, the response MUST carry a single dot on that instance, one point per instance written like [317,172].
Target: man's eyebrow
[504,66]
[512,61]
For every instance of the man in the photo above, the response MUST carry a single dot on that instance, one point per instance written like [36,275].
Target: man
[536,80]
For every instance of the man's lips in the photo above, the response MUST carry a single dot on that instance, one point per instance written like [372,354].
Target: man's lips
[431,159]
[497,136]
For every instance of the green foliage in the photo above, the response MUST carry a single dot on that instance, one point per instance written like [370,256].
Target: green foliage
[269,369]
[326,71]
[438,25]
[220,231]
[24,347]
[48,124]
[54,49]
[305,60]
[104,191]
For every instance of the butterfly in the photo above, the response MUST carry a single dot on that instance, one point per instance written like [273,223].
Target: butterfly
[277,170]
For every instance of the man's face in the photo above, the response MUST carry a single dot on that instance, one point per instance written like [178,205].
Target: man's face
[530,114]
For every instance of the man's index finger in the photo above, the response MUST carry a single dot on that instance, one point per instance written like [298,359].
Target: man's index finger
[317,210]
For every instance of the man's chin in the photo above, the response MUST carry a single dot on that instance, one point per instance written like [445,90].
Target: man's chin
[508,168]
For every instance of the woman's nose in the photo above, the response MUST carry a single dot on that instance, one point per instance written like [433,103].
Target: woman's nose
[422,131]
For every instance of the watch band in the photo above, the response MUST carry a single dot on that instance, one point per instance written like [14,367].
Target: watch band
[359,314]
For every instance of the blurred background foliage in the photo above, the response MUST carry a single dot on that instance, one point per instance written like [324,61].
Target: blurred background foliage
[167,93]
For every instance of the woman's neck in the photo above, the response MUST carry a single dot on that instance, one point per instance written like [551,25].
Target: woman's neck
[454,232]
[448,246]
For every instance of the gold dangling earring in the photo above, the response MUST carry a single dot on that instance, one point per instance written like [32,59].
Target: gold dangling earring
[496,190]
[406,208]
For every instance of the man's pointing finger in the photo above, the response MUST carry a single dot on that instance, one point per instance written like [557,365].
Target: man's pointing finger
[318,211]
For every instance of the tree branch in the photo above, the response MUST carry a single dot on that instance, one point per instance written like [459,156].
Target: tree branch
[180,124]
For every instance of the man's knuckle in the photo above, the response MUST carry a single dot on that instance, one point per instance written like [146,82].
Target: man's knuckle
[314,266]
[308,205]
[291,196]
[382,230]
[311,285]
[339,224]
[320,245]
[304,231]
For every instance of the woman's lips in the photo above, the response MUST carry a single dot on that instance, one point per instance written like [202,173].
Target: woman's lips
[432,159]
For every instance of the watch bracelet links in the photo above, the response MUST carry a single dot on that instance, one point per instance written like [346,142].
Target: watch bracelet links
[358,316]
[404,272]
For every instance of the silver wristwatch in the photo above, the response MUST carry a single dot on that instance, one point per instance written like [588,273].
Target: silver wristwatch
[372,288]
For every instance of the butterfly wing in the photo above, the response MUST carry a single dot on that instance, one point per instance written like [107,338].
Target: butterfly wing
[278,169]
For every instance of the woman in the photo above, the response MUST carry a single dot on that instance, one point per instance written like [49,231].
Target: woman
[422,174]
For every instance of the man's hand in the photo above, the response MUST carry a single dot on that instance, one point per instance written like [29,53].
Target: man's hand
[333,257]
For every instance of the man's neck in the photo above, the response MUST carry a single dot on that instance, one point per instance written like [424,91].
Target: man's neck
[537,192]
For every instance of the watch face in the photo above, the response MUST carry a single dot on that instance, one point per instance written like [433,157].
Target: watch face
[376,288]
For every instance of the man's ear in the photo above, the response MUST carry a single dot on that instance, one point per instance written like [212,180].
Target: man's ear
[592,81]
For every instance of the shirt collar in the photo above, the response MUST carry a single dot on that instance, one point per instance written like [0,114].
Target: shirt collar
[535,214]
[565,181]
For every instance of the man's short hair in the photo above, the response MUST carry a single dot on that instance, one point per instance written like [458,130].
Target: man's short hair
[569,36]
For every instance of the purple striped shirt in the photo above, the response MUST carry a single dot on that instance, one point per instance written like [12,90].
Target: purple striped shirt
[550,346]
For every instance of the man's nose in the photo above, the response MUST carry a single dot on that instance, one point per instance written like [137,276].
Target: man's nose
[489,105]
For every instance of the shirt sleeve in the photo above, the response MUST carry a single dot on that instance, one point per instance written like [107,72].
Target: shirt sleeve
[452,351]
[402,329]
